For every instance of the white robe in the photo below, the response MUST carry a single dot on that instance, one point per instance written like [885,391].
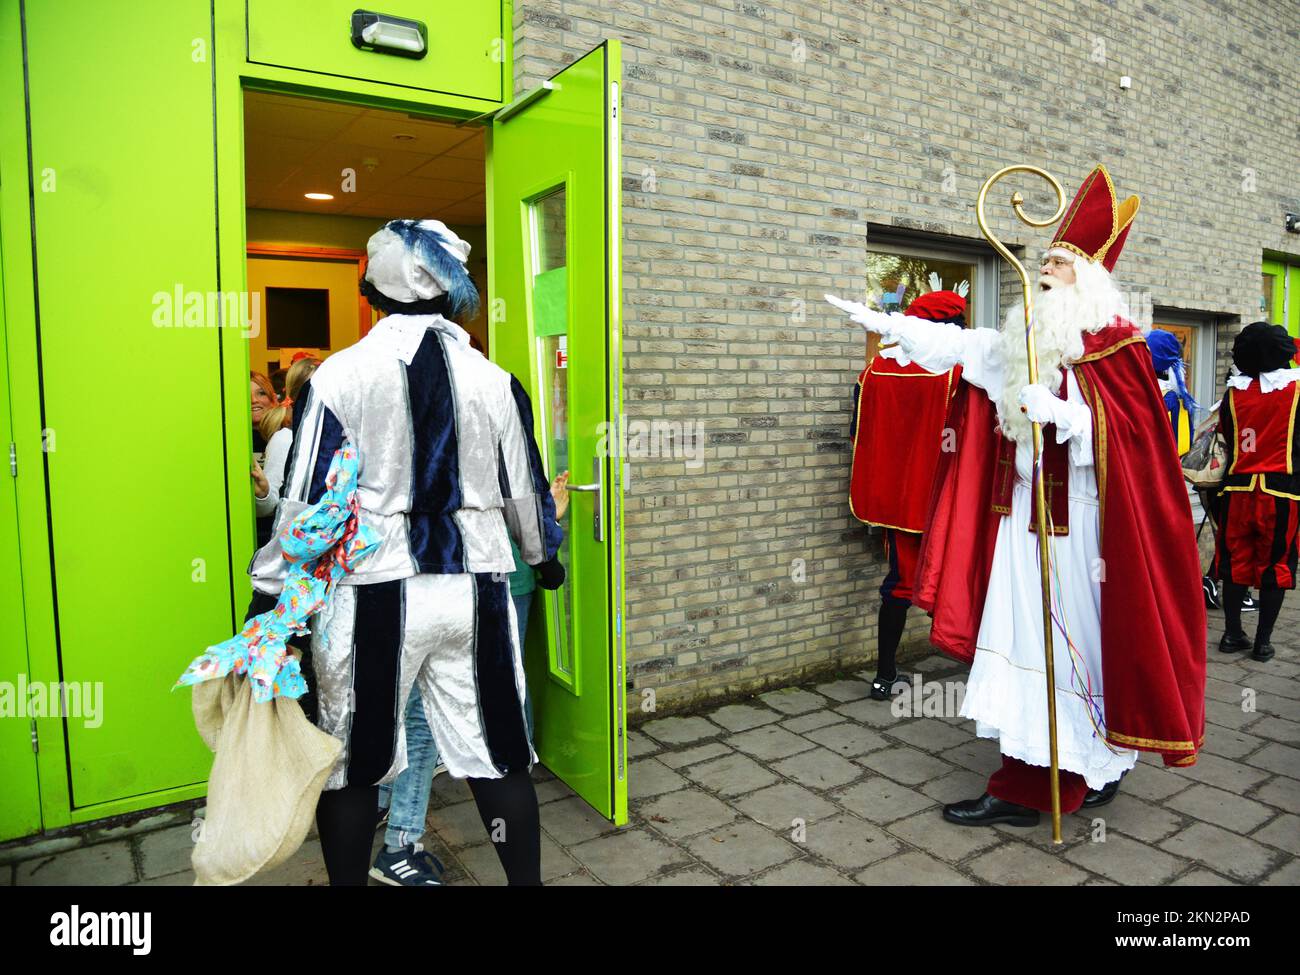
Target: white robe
[1006,694]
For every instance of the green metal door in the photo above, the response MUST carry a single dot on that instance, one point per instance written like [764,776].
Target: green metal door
[124,403]
[553,220]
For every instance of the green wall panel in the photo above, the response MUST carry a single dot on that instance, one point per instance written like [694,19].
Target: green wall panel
[466,45]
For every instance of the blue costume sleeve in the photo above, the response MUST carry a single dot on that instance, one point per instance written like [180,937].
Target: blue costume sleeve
[525,489]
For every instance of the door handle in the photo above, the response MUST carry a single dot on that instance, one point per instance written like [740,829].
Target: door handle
[598,527]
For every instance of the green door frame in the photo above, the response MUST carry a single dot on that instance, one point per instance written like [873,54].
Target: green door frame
[234,75]
[1286,291]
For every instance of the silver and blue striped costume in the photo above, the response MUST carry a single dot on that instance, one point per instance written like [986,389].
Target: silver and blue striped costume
[449,473]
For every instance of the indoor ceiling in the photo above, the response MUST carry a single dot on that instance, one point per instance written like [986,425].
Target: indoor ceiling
[405,166]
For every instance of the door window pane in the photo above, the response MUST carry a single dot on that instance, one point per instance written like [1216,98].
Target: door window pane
[550,293]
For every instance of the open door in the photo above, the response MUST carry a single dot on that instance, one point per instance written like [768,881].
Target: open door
[553,225]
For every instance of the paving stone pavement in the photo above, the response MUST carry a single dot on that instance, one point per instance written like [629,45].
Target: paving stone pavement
[819,785]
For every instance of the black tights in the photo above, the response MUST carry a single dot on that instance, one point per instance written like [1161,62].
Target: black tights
[508,808]
[889,633]
[1270,604]
[345,819]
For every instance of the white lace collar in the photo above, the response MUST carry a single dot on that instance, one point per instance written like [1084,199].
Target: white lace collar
[1268,381]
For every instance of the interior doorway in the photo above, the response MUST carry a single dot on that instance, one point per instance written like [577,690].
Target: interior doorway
[320,178]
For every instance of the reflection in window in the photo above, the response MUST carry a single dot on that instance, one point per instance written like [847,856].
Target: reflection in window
[894,280]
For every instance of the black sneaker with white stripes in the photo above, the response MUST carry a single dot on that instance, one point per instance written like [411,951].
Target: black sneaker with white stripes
[411,866]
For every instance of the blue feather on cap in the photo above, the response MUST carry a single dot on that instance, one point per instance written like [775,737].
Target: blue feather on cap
[428,245]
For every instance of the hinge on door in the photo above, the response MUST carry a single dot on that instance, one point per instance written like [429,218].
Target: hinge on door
[36,743]
[13,460]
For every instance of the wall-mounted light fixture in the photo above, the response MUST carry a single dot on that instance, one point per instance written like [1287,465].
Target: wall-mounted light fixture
[1293,223]
[1125,82]
[319,196]
[389,35]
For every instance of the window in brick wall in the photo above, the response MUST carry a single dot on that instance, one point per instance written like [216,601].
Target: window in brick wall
[899,268]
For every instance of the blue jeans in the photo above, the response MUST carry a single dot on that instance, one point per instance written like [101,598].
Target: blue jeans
[407,799]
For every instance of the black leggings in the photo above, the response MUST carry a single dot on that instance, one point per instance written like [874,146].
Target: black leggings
[889,630]
[1270,605]
[345,819]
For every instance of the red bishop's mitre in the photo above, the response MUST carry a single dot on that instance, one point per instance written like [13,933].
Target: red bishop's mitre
[1097,224]
[937,306]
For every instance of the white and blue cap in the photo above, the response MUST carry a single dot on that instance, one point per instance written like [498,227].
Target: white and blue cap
[417,260]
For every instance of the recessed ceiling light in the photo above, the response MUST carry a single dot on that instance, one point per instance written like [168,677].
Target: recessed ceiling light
[403,137]
[319,196]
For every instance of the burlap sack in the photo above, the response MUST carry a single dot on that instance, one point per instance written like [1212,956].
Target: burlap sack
[270,765]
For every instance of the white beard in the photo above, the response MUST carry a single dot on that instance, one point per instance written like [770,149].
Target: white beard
[1061,315]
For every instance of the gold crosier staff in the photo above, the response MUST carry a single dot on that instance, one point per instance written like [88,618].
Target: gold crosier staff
[1016,202]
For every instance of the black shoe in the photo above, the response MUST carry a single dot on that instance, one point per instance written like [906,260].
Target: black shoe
[411,866]
[988,811]
[1248,604]
[1234,643]
[883,690]
[1211,590]
[1104,795]
[1262,651]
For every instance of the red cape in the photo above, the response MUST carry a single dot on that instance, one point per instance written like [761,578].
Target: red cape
[897,439]
[1152,612]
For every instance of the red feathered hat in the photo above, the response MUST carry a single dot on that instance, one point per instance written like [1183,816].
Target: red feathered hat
[937,306]
[1096,225]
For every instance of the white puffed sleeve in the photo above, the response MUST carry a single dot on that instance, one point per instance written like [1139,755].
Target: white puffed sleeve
[938,346]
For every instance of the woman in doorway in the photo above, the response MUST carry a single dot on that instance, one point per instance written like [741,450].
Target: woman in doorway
[277,430]
[448,474]
[263,394]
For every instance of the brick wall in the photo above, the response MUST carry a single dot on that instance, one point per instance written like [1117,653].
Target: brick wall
[759,139]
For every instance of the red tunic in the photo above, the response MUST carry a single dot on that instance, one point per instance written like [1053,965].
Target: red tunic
[1260,429]
[898,435]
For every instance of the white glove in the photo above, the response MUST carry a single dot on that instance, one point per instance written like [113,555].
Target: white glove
[1038,402]
[936,282]
[886,325]
[963,289]
[1042,407]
